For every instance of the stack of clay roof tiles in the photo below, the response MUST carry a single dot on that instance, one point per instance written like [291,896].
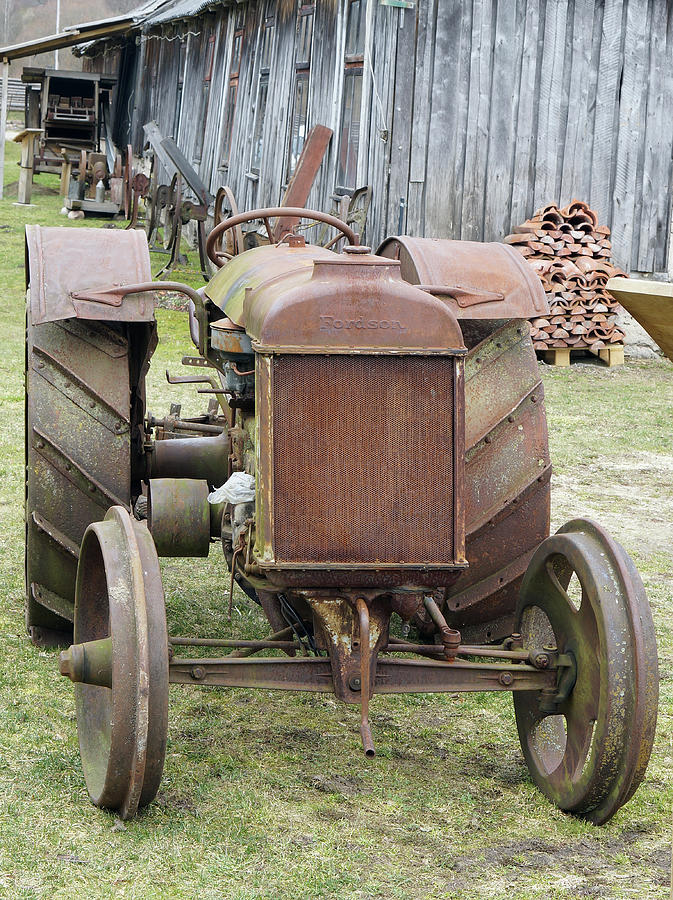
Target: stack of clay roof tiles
[571,252]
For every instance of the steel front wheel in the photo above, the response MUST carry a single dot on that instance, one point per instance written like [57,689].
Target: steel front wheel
[582,594]
[120,664]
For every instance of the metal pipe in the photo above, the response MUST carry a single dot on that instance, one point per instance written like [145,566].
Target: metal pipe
[398,646]
[365,672]
[276,636]
[184,425]
[450,637]
[239,645]
[114,295]
[202,458]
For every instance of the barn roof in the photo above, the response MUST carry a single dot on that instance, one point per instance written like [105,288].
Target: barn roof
[170,10]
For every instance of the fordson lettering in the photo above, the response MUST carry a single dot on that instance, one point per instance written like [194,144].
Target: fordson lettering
[330,323]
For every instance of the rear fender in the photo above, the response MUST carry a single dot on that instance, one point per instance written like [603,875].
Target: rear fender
[63,261]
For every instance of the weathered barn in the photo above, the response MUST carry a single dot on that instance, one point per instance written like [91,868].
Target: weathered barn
[463,115]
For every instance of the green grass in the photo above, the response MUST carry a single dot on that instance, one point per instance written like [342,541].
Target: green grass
[268,795]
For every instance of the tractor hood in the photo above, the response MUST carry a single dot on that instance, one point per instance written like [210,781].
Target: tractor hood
[319,301]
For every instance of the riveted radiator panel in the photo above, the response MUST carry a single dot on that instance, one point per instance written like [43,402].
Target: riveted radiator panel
[363,460]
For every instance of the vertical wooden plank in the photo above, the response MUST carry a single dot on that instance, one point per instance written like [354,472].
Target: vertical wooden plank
[420,118]
[476,151]
[3,123]
[382,57]
[649,254]
[525,143]
[579,124]
[631,122]
[549,116]
[507,49]
[665,244]
[587,141]
[442,211]
[606,121]
[325,90]
[644,91]
[401,138]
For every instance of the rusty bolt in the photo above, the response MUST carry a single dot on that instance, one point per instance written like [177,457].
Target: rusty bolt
[510,418]
[354,683]
[505,678]
[541,661]
[533,399]
[39,445]
[65,666]
[71,662]
[198,673]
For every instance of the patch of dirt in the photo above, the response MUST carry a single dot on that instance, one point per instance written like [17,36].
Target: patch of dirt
[586,857]
[336,784]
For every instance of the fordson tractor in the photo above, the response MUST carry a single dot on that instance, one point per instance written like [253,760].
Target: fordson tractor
[378,474]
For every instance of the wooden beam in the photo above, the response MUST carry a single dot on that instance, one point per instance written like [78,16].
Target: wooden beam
[3,123]
[27,140]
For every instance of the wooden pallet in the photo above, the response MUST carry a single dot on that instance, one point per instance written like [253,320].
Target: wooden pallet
[560,356]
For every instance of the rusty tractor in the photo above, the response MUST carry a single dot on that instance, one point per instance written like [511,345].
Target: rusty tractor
[379,478]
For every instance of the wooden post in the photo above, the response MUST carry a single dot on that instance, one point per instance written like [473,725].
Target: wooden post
[66,173]
[3,123]
[27,140]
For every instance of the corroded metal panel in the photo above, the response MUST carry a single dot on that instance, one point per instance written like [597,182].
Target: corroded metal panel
[61,262]
[507,477]
[363,482]
[477,281]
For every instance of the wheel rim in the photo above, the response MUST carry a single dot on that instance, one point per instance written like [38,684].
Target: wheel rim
[591,754]
[122,730]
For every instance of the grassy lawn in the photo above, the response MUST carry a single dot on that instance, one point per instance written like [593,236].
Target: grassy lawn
[268,795]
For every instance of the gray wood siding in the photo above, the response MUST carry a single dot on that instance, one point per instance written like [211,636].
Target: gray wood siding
[474,114]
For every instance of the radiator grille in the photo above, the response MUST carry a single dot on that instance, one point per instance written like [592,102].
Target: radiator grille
[363,459]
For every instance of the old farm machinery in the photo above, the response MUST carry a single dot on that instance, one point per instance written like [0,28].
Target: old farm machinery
[381,442]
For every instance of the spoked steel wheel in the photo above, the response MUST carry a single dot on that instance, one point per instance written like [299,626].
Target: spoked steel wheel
[120,664]
[582,594]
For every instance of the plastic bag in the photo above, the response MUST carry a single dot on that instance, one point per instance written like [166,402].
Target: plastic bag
[239,488]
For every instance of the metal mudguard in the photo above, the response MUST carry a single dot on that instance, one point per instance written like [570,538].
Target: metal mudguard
[476,280]
[63,261]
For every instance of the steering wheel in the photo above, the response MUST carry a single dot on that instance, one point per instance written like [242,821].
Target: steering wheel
[219,257]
